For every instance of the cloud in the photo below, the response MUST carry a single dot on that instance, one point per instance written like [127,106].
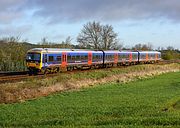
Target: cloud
[11,30]
[55,11]
[114,10]
[10,10]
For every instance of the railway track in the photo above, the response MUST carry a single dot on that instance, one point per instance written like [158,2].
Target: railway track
[10,77]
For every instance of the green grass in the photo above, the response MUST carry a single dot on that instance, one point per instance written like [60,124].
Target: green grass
[153,102]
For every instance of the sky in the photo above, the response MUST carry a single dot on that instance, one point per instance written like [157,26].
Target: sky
[136,21]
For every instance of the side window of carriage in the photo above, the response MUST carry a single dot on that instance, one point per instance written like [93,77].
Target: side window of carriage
[51,58]
[58,58]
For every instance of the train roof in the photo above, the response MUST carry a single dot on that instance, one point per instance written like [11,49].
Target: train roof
[149,52]
[57,50]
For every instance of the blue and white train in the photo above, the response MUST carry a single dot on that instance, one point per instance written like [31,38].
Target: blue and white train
[50,60]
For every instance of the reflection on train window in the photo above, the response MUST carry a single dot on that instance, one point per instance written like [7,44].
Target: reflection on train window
[69,58]
[134,56]
[82,57]
[73,58]
[58,58]
[85,57]
[77,57]
[51,58]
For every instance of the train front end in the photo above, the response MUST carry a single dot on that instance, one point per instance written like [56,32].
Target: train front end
[34,61]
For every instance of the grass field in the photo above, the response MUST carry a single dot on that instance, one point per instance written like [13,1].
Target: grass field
[153,102]
[35,87]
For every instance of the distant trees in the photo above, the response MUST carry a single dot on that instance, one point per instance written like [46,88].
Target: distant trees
[170,53]
[97,36]
[67,43]
[143,47]
[12,54]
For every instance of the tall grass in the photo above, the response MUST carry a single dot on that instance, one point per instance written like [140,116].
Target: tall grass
[32,88]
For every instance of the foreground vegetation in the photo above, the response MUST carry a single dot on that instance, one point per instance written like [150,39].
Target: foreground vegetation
[152,102]
[35,87]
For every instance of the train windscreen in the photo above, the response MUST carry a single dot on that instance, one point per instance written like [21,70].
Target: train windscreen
[33,57]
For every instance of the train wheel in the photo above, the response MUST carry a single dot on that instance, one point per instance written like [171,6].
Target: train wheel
[47,71]
[30,73]
[71,68]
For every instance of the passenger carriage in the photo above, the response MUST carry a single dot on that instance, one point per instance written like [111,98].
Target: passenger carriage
[47,60]
[149,56]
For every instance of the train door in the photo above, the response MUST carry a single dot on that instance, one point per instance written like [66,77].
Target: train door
[156,57]
[45,60]
[130,57]
[146,57]
[115,58]
[89,58]
[64,60]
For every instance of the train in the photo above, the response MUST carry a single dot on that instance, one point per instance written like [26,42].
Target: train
[53,60]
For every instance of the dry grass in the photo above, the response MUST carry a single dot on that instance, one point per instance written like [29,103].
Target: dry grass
[21,91]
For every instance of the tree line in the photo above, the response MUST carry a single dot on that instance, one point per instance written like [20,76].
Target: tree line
[93,35]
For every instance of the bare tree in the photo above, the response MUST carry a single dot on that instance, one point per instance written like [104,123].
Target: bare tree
[90,36]
[44,41]
[143,47]
[97,36]
[11,39]
[67,43]
[170,48]
[109,37]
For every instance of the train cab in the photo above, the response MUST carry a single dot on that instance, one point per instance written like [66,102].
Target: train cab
[34,60]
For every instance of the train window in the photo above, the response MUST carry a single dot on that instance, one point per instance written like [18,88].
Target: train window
[143,56]
[97,57]
[94,57]
[110,56]
[58,58]
[73,58]
[69,58]
[51,58]
[119,57]
[134,56]
[85,57]
[107,57]
[100,57]
[77,57]
[82,57]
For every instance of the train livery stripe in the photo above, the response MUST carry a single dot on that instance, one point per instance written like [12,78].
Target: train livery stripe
[89,58]
[146,56]
[116,58]
[156,56]
[130,57]
[64,59]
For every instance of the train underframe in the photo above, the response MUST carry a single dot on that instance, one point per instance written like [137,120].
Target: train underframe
[56,69]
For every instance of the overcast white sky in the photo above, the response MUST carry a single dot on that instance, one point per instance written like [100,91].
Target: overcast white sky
[135,21]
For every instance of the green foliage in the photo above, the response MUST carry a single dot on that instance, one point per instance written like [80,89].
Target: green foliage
[170,54]
[13,52]
[145,103]
[95,35]
[12,56]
